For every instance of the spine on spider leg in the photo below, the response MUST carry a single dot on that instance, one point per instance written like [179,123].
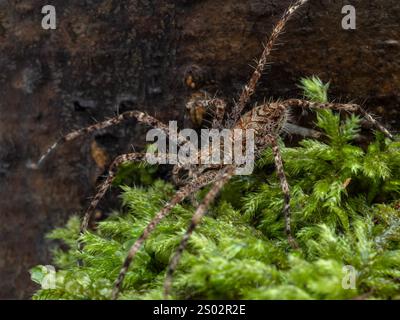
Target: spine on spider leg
[250,88]
[221,180]
[181,195]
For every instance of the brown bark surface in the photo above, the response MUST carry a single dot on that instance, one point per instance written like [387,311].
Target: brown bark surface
[110,55]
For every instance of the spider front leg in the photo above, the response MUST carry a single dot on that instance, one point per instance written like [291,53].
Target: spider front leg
[355,108]
[250,88]
[180,196]
[219,107]
[106,185]
[201,104]
[221,180]
[285,189]
[138,115]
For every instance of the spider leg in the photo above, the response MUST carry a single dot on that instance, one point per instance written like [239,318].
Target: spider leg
[180,195]
[285,189]
[250,87]
[181,173]
[180,180]
[294,129]
[219,107]
[221,180]
[176,177]
[340,107]
[138,115]
[201,104]
[106,185]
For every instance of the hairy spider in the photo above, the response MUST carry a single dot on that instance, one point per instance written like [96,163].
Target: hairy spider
[266,119]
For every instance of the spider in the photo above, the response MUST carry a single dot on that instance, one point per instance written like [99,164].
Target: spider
[267,120]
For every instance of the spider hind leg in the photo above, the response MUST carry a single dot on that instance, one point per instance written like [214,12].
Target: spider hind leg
[201,210]
[180,196]
[285,189]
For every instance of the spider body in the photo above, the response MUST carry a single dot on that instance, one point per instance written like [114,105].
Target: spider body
[266,120]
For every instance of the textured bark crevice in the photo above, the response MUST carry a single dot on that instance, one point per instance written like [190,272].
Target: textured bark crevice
[111,55]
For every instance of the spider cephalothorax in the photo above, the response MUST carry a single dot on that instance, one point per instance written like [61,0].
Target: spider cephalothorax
[266,120]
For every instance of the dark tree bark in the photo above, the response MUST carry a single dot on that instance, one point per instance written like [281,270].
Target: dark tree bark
[110,55]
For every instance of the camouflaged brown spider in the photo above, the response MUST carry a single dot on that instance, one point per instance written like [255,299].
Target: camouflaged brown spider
[267,120]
